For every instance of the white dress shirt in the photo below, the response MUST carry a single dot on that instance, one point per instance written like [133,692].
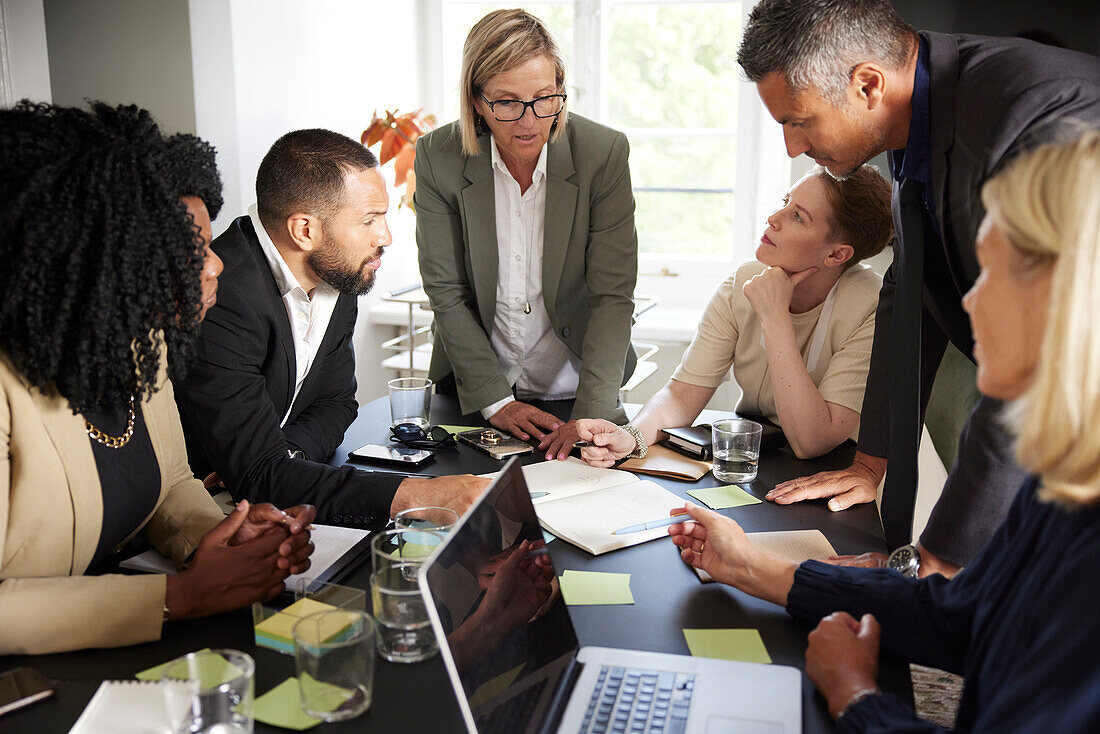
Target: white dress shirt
[309,317]
[532,356]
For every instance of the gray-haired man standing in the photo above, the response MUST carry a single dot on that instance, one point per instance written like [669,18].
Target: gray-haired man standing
[848,79]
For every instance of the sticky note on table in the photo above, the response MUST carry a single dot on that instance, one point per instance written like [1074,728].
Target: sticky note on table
[282,706]
[460,429]
[727,644]
[156,671]
[594,587]
[722,498]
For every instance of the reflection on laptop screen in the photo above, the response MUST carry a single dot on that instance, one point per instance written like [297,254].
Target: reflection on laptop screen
[507,627]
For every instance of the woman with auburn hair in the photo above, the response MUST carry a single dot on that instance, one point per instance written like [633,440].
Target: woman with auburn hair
[796,325]
[105,240]
[1020,622]
[528,253]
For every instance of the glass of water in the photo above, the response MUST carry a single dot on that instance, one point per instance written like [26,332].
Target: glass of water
[736,446]
[404,631]
[209,692]
[410,400]
[334,654]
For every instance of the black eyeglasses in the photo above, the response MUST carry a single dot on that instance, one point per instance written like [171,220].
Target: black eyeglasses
[511,110]
[413,436]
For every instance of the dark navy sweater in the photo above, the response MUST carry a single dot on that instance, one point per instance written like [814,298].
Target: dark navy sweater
[1021,623]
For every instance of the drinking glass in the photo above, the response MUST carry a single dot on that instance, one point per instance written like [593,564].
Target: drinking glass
[439,519]
[736,446]
[209,692]
[404,631]
[334,655]
[410,400]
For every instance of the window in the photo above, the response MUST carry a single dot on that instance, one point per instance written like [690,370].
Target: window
[666,74]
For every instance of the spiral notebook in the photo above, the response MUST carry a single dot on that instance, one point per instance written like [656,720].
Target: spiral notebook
[124,707]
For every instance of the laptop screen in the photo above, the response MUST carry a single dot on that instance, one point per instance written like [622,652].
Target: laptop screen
[506,625]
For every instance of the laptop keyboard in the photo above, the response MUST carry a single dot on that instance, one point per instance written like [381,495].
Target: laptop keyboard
[629,701]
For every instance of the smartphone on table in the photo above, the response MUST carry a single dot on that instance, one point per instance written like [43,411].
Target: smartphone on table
[402,456]
[23,686]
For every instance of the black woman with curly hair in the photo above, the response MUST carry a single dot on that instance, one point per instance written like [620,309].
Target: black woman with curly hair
[104,237]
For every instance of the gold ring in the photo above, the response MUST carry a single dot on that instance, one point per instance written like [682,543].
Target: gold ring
[702,546]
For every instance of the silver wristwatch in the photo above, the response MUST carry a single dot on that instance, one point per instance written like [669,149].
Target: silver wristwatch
[905,560]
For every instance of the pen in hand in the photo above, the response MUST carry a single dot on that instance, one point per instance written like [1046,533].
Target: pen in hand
[680,516]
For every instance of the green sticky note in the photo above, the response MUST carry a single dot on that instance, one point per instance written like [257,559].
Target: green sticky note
[722,498]
[593,587]
[156,671]
[462,429]
[212,671]
[744,645]
[282,706]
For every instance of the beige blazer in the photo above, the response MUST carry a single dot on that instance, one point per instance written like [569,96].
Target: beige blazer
[589,268]
[51,512]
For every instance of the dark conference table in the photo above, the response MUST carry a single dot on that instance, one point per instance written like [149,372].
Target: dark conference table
[668,598]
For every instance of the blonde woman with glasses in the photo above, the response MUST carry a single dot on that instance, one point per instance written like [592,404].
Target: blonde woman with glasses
[1020,622]
[528,252]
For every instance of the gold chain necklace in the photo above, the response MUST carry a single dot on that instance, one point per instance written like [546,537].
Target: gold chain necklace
[112,441]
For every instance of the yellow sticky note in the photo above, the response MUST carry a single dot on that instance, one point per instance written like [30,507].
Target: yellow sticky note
[728,644]
[461,429]
[156,671]
[282,706]
[281,624]
[721,498]
[488,690]
[593,587]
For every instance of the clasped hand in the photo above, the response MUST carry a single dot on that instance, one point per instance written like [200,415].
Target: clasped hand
[770,292]
[244,558]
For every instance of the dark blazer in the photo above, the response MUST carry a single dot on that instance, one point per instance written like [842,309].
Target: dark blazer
[590,261]
[990,98]
[241,385]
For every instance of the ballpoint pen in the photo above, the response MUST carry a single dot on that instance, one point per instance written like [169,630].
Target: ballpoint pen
[649,525]
[536,495]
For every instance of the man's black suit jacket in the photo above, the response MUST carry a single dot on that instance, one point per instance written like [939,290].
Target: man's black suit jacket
[990,98]
[242,382]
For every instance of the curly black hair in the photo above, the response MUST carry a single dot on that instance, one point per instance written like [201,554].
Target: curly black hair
[101,259]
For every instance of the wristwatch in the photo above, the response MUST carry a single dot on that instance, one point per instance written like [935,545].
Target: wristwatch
[905,560]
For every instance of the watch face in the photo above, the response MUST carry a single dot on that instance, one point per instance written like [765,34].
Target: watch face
[904,561]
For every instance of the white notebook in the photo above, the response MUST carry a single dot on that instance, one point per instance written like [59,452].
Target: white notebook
[583,505]
[124,707]
[330,543]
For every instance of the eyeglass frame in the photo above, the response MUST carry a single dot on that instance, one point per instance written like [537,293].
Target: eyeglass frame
[492,104]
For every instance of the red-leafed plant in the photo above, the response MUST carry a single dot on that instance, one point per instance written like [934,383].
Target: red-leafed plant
[398,134]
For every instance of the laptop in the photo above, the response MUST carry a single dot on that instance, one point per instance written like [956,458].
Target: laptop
[513,659]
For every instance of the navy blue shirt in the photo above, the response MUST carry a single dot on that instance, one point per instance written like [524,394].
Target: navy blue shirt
[1021,623]
[914,161]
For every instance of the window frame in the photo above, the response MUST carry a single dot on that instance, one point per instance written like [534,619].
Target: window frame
[762,172]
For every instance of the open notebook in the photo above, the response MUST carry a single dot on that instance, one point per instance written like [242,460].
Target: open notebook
[583,505]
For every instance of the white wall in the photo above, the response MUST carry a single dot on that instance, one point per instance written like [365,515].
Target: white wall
[265,67]
[24,63]
[123,52]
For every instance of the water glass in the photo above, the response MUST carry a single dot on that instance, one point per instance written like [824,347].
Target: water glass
[334,655]
[410,400]
[736,446]
[403,548]
[404,631]
[209,692]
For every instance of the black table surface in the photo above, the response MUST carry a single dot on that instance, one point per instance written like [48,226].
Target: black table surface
[668,598]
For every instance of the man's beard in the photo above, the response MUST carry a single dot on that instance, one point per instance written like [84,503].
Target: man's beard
[331,267]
